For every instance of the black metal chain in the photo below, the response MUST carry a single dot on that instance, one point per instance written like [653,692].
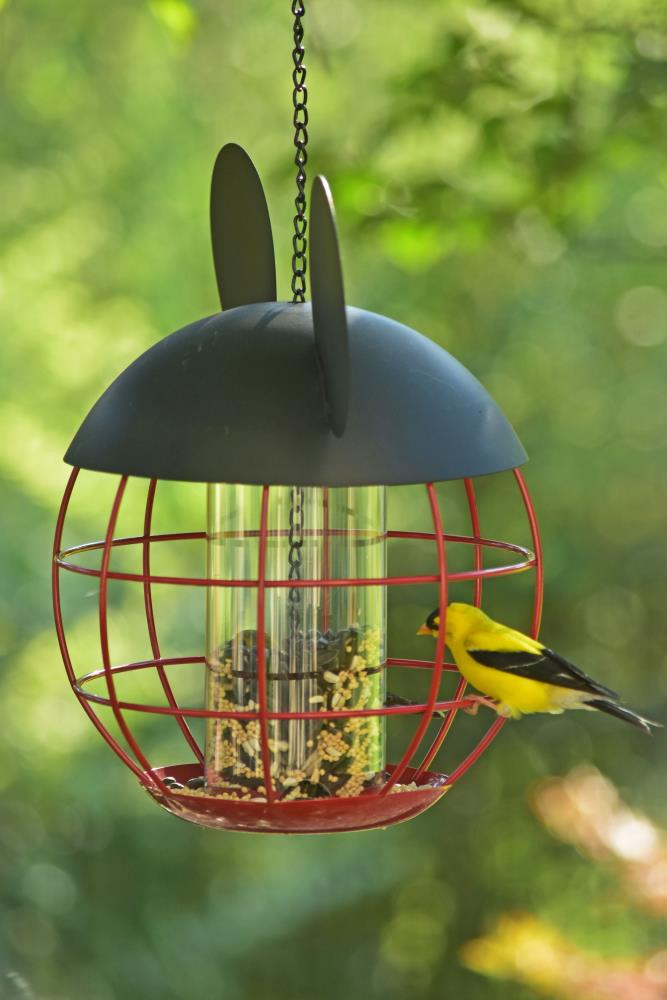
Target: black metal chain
[300,120]
[299,246]
[295,539]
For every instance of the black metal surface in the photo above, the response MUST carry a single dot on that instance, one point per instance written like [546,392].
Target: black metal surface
[238,397]
[241,231]
[329,317]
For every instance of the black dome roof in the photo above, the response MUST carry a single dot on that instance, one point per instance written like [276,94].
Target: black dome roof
[239,397]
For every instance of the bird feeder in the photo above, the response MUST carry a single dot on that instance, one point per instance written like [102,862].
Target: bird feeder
[295,418]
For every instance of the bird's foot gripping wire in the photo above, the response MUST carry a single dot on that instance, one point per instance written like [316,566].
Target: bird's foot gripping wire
[477,700]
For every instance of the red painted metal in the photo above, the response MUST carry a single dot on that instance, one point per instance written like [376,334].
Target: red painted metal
[261,648]
[448,721]
[60,630]
[537,549]
[104,635]
[150,622]
[439,645]
[491,571]
[326,558]
[476,532]
[393,661]
[335,815]
[205,713]
[406,791]
[538,598]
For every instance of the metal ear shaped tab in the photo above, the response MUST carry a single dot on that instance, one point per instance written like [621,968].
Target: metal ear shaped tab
[329,316]
[243,255]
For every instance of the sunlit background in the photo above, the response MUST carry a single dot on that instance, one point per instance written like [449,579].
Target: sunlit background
[500,179]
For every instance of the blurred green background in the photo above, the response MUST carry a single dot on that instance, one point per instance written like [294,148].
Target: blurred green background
[501,184]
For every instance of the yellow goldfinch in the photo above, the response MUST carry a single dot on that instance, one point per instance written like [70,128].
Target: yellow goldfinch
[520,674]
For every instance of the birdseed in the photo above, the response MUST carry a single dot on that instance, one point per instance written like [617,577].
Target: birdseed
[307,756]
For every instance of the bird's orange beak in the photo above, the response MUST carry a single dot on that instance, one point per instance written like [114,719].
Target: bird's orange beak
[423,630]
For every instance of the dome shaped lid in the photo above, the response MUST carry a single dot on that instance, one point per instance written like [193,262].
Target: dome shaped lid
[274,393]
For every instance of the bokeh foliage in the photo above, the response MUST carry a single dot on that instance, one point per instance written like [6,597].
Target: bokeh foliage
[500,182]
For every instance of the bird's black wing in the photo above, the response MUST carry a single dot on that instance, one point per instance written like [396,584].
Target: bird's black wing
[575,671]
[547,666]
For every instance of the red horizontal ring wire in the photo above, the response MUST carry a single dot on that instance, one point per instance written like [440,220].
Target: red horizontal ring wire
[379,581]
[206,713]
[189,536]
[179,536]
[173,661]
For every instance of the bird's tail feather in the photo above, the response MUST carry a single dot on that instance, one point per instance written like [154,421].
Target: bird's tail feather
[621,712]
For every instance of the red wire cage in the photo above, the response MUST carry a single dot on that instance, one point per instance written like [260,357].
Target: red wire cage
[406,788]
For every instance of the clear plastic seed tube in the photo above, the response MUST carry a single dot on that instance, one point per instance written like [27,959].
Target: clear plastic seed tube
[325,646]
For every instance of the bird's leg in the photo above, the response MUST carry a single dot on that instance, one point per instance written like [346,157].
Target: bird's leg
[477,700]
[508,713]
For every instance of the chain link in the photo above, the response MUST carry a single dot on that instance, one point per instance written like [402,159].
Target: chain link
[299,247]
[295,540]
[300,121]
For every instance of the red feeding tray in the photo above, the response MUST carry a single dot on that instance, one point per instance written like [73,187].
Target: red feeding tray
[334,815]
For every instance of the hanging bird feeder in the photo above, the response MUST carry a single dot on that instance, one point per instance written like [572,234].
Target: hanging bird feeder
[296,417]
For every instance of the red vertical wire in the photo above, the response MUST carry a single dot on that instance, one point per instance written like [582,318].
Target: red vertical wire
[150,622]
[261,646]
[488,737]
[537,549]
[476,533]
[60,631]
[326,558]
[498,724]
[104,639]
[427,715]
[448,721]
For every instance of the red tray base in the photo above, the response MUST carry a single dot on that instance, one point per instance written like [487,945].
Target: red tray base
[334,815]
